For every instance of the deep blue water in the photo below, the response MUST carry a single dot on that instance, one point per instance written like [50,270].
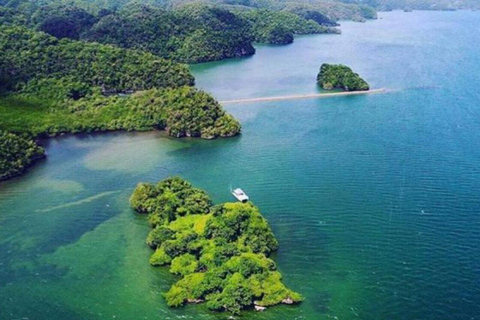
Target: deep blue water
[374,199]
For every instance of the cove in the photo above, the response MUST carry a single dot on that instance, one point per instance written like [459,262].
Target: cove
[379,213]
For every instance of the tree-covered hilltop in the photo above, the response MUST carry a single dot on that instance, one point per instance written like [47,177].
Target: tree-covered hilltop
[347,11]
[63,21]
[193,33]
[333,76]
[357,10]
[183,31]
[309,12]
[279,27]
[16,154]
[219,252]
[28,55]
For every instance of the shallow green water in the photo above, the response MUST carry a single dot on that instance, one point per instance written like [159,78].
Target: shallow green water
[374,199]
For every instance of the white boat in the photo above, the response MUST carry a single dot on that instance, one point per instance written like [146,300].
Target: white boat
[240,195]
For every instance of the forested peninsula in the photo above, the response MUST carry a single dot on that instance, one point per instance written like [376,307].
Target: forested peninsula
[220,252]
[338,76]
[52,86]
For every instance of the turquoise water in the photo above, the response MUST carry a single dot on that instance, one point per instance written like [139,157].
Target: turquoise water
[374,199]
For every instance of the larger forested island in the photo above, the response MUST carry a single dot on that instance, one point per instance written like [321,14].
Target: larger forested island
[220,252]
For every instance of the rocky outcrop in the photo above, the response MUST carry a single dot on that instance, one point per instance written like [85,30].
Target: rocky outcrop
[260,308]
[288,301]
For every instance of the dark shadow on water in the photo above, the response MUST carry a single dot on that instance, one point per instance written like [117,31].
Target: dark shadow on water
[207,147]
[46,142]
[208,66]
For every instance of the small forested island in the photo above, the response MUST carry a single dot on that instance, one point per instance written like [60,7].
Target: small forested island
[338,76]
[16,154]
[220,252]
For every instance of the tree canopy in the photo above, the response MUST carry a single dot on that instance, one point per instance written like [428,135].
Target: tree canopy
[16,154]
[183,31]
[28,55]
[333,76]
[279,27]
[220,252]
[193,33]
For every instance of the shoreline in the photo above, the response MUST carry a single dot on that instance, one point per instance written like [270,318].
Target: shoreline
[304,96]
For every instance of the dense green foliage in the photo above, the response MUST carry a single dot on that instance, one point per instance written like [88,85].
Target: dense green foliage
[46,107]
[191,32]
[220,252]
[339,76]
[63,21]
[60,84]
[312,10]
[51,86]
[278,27]
[331,8]
[336,10]
[16,154]
[194,33]
[308,12]
[344,9]
[54,84]
[28,55]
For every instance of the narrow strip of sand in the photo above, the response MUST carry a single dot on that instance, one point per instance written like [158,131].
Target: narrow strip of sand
[304,96]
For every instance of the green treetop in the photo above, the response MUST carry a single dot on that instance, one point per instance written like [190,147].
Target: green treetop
[332,76]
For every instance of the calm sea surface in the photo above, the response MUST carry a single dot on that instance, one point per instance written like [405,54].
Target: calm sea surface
[375,200]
